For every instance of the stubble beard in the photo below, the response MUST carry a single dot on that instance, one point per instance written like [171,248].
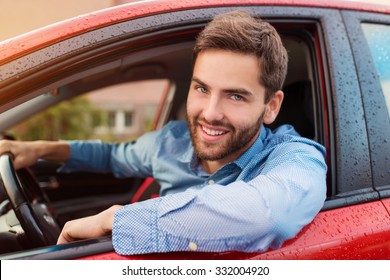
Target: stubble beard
[236,143]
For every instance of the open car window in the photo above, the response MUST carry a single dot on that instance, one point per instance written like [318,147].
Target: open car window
[120,112]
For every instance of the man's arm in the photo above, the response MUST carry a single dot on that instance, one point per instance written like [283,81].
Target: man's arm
[27,153]
[243,216]
[88,227]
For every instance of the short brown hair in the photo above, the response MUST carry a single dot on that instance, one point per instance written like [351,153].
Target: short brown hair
[239,32]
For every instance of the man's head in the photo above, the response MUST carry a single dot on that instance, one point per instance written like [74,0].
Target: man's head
[240,65]
[240,32]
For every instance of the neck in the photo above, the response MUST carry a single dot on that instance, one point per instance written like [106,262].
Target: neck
[211,166]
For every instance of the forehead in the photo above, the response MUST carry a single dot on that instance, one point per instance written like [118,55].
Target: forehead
[214,65]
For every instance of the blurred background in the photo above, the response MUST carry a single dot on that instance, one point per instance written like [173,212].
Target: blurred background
[114,113]
[20,16]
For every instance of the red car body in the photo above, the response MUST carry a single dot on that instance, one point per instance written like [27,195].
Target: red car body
[42,37]
[356,228]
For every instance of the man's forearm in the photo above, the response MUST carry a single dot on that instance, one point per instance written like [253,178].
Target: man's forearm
[52,150]
[26,153]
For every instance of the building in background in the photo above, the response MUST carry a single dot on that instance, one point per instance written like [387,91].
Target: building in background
[129,108]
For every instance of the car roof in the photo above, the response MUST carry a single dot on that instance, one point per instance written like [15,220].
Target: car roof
[31,41]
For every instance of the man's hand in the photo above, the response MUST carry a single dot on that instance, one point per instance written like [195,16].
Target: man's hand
[89,227]
[27,153]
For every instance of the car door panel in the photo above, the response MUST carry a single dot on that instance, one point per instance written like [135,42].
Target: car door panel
[354,223]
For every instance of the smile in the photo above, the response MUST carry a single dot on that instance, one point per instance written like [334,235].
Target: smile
[212,132]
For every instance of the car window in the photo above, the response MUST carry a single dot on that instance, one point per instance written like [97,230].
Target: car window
[120,112]
[378,38]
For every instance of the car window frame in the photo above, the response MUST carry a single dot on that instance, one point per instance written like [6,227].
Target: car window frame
[377,114]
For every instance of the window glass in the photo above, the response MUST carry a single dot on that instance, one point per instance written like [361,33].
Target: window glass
[129,119]
[378,38]
[121,112]
[111,119]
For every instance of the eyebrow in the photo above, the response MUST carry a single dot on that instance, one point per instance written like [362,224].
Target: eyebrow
[196,80]
[241,91]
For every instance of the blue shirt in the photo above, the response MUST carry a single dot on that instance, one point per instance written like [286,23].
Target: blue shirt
[252,204]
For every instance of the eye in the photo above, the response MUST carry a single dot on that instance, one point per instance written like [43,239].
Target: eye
[237,97]
[201,89]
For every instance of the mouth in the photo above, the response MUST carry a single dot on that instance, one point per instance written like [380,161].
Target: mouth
[212,133]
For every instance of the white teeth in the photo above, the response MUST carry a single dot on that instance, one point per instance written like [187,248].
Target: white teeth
[212,132]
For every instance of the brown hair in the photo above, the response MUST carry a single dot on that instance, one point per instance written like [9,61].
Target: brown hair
[239,32]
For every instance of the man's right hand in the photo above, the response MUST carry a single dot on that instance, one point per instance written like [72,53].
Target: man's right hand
[28,152]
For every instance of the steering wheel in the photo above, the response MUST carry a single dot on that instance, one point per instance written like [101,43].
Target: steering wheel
[31,206]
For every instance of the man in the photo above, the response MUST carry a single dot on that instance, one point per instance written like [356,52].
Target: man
[227,182]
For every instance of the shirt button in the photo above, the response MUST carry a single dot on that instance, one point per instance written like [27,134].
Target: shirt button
[211,182]
[192,246]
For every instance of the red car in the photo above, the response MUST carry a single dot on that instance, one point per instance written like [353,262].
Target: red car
[337,92]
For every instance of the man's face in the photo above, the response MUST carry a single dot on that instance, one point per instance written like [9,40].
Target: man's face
[225,105]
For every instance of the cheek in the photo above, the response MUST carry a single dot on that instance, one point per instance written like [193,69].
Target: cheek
[194,105]
[243,116]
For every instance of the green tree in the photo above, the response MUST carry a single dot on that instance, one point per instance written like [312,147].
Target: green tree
[73,119]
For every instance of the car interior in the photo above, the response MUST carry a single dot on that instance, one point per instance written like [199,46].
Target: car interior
[73,196]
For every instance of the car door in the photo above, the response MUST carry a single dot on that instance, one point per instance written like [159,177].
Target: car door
[322,66]
[369,34]
[354,223]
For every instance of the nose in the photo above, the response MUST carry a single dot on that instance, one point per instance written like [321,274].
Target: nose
[213,109]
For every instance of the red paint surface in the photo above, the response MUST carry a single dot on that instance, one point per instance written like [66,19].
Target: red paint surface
[354,232]
[386,203]
[28,42]
[144,186]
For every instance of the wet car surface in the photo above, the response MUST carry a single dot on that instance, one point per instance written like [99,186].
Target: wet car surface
[336,92]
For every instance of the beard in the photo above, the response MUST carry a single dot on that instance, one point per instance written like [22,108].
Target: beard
[236,143]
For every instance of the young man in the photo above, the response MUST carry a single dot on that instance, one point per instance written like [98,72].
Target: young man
[227,182]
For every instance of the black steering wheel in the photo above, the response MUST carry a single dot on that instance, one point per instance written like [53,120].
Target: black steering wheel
[31,206]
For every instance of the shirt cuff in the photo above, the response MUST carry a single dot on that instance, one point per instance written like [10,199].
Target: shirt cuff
[133,235]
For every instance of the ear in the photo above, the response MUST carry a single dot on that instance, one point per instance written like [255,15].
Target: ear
[272,108]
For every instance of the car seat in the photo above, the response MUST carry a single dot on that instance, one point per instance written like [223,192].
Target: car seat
[297,109]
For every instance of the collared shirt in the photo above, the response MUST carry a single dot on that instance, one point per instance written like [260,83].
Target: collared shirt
[252,204]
